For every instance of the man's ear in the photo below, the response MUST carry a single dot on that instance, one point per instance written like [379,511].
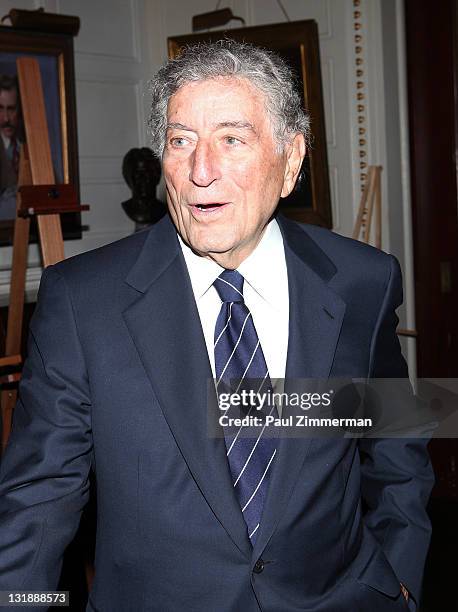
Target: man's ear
[295,153]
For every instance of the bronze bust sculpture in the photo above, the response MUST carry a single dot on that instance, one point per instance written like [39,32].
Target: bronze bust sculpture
[141,170]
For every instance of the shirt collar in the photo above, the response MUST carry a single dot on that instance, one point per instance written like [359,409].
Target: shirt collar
[263,269]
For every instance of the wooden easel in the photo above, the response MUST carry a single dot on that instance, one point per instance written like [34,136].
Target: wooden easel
[371,199]
[37,195]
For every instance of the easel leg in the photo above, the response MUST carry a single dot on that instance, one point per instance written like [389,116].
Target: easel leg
[8,401]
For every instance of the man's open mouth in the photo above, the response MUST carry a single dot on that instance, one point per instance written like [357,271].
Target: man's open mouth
[210,207]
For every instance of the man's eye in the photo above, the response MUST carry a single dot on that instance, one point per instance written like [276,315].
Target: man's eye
[232,140]
[178,141]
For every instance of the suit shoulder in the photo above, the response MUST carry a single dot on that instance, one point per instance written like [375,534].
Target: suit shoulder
[105,270]
[111,260]
[347,253]
[329,239]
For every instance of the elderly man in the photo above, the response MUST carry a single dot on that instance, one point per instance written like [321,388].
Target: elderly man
[126,338]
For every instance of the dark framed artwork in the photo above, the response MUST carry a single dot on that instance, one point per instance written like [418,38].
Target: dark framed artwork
[297,43]
[54,53]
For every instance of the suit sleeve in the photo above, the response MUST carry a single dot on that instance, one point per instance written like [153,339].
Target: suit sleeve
[397,476]
[45,469]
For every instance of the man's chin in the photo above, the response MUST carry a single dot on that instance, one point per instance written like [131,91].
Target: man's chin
[208,250]
[216,240]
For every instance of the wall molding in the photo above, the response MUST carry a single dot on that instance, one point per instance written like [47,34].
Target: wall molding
[32,283]
[329,33]
[409,275]
[136,34]
[359,94]
[136,49]
[102,181]
[335,201]
[107,80]
[130,59]
[328,74]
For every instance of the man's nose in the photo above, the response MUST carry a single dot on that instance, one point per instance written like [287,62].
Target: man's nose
[204,165]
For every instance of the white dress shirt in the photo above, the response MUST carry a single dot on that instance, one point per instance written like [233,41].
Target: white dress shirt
[265,291]
[7,142]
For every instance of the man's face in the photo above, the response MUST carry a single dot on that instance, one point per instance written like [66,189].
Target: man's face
[223,174]
[9,115]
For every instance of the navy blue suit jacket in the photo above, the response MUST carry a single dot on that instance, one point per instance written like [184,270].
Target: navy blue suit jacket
[116,379]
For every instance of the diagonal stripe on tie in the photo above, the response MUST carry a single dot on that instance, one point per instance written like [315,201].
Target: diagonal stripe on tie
[240,363]
[228,361]
[225,327]
[248,413]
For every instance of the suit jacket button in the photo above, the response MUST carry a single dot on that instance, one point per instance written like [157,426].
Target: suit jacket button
[258,566]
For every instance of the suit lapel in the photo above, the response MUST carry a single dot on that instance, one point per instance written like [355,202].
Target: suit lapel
[164,324]
[315,317]
[316,311]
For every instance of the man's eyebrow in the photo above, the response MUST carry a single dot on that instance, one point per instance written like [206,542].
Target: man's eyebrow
[178,126]
[244,125]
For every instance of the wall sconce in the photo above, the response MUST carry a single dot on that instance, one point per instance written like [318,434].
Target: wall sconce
[205,21]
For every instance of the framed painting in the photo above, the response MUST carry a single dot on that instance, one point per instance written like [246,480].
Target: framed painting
[297,43]
[54,53]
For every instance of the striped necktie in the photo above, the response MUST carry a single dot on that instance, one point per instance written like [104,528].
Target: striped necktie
[240,365]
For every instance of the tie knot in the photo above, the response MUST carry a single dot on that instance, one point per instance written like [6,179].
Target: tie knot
[229,286]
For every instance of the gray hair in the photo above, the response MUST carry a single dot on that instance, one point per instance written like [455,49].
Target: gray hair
[228,58]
